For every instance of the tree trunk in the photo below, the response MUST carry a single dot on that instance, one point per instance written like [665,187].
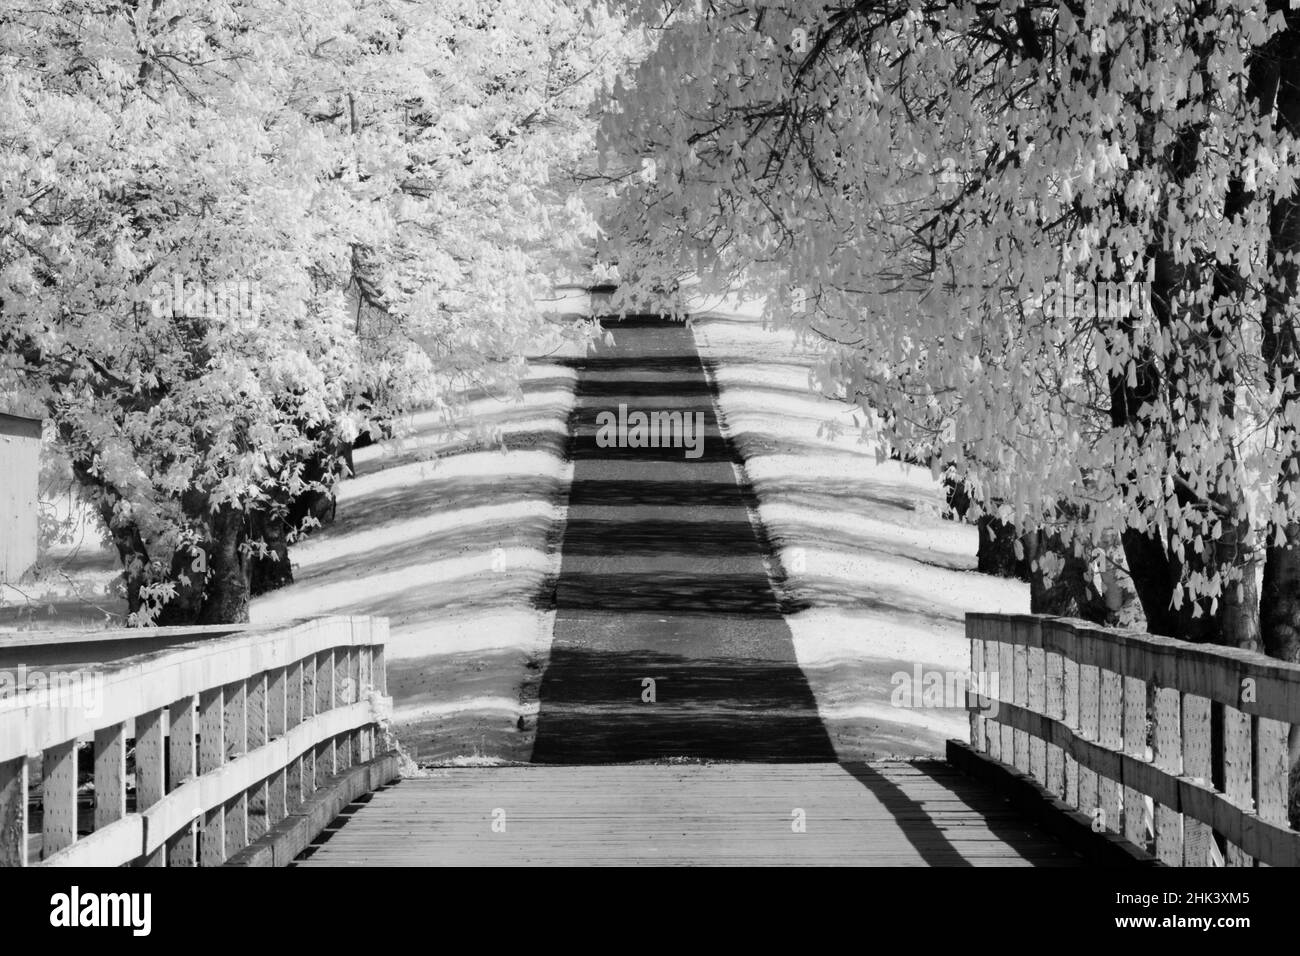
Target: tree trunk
[996,553]
[1061,582]
[225,598]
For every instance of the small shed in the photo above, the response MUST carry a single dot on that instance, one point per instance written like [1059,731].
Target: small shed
[20,466]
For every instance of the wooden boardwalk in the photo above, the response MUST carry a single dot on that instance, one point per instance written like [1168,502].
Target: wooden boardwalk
[891,813]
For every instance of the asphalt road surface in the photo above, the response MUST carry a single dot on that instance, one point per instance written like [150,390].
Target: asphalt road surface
[669,641]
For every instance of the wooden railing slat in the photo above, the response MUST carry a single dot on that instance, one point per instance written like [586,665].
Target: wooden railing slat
[110,775]
[150,763]
[58,798]
[1168,756]
[13,812]
[1137,820]
[1238,784]
[236,746]
[212,754]
[182,765]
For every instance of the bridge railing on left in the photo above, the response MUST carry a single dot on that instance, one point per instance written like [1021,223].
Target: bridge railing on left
[233,749]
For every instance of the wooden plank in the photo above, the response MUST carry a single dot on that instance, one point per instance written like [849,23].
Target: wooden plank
[1136,819]
[992,669]
[295,775]
[1020,677]
[380,638]
[1111,736]
[182,765]
[150,766]
[1238,784]
[1198,840]
[236,829]
[308,711]
[1090,728]
[1168,756]
[1036,672]
[212,754]
[1271,769]
[972,705]
[1070,680]
[326,688]
[346,691]
[1054,707]
[1006,674]
[276,725]
[110,775]
[13,812]
[58,798]
[258,735]
[366,736]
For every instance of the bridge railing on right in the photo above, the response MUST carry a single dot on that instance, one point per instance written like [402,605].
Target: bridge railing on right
[1180,748]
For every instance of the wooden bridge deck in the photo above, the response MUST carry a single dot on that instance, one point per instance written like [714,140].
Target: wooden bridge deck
[887,813]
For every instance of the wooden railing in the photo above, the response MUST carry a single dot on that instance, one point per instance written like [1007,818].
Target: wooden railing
[242,748]
[1180,748]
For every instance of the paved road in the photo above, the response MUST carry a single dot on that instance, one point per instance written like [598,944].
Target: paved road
[662,579]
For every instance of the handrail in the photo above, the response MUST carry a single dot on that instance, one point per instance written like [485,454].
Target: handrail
[1181,748]
[231,735]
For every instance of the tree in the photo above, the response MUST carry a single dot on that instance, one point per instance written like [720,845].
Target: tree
[923,186]
[202,206]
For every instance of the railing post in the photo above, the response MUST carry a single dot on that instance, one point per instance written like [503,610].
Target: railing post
[1168,756]
[1271,770]
[973,626]
[1198,839]
[1111,730]
[236,746]
[325,690]
[309,698]
[149,764]
[1089,727]
[345,687]
[1007,685]
[212,754]
[13,812]
[277,800]
[297,776]
[993,674]
[367,733]
[1036,667]
[1020,676]
[1070,683]
[182,754]
[110,775]
[1238,785]
[1054,702]
[1135,743]
[58,797]
[257,737]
